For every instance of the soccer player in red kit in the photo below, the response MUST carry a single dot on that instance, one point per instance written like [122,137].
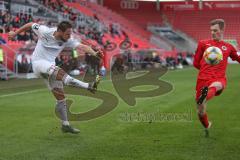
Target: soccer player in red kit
[212,78]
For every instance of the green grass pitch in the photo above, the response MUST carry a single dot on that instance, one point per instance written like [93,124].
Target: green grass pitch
[29,129]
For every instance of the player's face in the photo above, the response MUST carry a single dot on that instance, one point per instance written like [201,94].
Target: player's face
[216,32]
[66,35]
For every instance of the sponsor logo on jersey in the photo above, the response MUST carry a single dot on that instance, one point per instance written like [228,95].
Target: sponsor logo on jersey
[224,48]
[36,26]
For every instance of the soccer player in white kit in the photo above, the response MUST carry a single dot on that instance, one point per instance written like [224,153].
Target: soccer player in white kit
[51,41]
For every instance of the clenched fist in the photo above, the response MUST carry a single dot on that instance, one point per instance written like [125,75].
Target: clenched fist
[11,35]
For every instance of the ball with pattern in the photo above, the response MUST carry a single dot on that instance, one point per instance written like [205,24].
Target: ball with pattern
[213,55]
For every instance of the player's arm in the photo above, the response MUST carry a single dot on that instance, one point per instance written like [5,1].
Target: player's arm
[89,50]
[74,43]
[198,55]
[234,56]
[26,27]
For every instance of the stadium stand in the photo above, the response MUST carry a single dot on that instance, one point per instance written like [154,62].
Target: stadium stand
[186,17]
[113,26]
[200,22]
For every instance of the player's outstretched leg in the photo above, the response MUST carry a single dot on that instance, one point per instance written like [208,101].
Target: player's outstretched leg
[93,86]
[61,75]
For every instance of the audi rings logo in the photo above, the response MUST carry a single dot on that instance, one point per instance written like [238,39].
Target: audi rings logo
[129,4]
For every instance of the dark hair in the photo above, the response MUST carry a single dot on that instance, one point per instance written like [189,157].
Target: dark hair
[220,22]
[63,26]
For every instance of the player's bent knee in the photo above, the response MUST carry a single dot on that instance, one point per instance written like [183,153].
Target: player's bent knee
[61,74]
[217,85]
[58,74]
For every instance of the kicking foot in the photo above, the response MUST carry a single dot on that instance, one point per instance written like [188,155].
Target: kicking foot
[93,86]
[69,129]
[203,95]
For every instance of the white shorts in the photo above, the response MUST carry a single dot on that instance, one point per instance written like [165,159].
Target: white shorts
[43,67]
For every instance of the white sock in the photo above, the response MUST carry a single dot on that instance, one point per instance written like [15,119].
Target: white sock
[74,82]
[61,110]
[65,123]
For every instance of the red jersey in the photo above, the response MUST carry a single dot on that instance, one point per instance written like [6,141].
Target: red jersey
[207,71]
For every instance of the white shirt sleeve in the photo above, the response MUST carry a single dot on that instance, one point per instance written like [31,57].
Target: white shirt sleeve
[39,29]
[72,43]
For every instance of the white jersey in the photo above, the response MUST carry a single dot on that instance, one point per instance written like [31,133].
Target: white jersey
[48,48]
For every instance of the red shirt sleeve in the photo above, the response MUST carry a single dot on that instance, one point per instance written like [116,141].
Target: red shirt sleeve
[198,55]
[234,56]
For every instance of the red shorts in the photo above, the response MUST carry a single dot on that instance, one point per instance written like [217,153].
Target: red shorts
[203,83]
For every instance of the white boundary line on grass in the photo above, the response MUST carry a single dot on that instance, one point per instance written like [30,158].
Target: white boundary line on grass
[22,93]
[43,89]
[28,92]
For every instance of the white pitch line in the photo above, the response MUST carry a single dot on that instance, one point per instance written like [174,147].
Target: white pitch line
[28,92]
[22,93]
[37,90]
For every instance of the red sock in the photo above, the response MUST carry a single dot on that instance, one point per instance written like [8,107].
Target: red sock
[203,119]
[211,92]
